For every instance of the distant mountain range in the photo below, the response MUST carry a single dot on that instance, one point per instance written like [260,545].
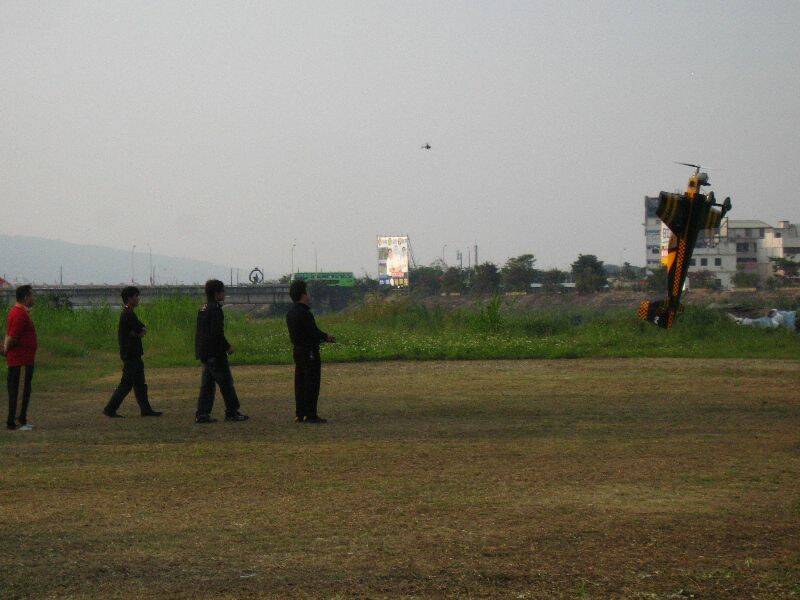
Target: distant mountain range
[25,259]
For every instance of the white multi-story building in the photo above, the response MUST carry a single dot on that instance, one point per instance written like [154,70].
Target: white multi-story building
[652,232]
[738,245]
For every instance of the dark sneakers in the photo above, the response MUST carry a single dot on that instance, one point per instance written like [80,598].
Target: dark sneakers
[237,416]
[316,420]
[150,413]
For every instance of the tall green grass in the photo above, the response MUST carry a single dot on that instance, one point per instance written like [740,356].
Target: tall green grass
[83,342]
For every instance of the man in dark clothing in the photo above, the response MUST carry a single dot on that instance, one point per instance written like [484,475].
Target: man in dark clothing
[129,334]
[306,338]
[212,349]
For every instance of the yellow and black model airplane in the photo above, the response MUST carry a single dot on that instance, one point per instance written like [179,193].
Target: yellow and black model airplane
[685,215]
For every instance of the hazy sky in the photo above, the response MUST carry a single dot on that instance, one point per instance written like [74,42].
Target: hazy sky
[223,131]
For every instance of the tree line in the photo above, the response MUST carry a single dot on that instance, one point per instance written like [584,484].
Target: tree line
[518,274]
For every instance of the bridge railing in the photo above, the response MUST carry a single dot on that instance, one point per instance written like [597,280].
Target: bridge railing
[78,295]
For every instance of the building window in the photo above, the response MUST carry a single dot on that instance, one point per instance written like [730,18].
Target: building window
[650,208]
[703,262]
[655,250]
[761,233]
[748,233]
[717,262]
[742,247]
[691,262]
[778,234]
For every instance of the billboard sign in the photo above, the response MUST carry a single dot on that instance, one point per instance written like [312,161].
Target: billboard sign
[393,260]
[666,234]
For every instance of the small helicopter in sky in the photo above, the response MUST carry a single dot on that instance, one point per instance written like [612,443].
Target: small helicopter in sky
[685,215]
[426,147]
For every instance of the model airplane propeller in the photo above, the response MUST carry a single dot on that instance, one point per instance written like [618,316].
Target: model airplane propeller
[685,215]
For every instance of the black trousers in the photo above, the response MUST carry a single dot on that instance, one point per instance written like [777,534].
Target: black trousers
[132,379]
[217,372]
[14,376]
[307,378]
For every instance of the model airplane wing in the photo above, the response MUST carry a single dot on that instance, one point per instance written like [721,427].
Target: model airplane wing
[673,209]
[713,220]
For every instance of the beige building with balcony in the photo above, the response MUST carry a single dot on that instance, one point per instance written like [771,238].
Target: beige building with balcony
[749,236]
[783,241]
[716,255]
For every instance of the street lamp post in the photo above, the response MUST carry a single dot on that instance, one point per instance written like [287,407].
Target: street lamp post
[444,263]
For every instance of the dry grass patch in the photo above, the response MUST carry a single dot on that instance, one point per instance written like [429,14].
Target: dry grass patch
[528,479]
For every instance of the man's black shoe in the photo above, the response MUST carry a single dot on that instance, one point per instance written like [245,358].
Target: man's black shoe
[237,416]
[205,419]
[113,415]
[299,419]
[318,420]
[152,413]
[11,426]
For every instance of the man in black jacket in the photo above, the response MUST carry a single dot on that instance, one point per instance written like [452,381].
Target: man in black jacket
[212,349]
[129,334]
[306,338]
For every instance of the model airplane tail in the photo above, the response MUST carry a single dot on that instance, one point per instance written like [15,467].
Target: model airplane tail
[655,312]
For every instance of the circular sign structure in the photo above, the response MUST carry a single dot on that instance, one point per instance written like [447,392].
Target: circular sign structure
[256,276]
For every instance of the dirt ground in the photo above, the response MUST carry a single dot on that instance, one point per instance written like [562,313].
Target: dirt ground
[519,479]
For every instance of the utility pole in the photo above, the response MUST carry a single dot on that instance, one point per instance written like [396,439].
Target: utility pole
[150,264]
[316,264]
[460,259]
[291,274]
[133,250]
[61,275]
[476,255]
[444,263]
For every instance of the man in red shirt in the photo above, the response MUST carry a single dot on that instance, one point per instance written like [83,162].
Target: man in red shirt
[19,347]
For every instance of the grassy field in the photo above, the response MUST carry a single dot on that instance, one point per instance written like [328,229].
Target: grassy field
[634,478]
[82,343]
